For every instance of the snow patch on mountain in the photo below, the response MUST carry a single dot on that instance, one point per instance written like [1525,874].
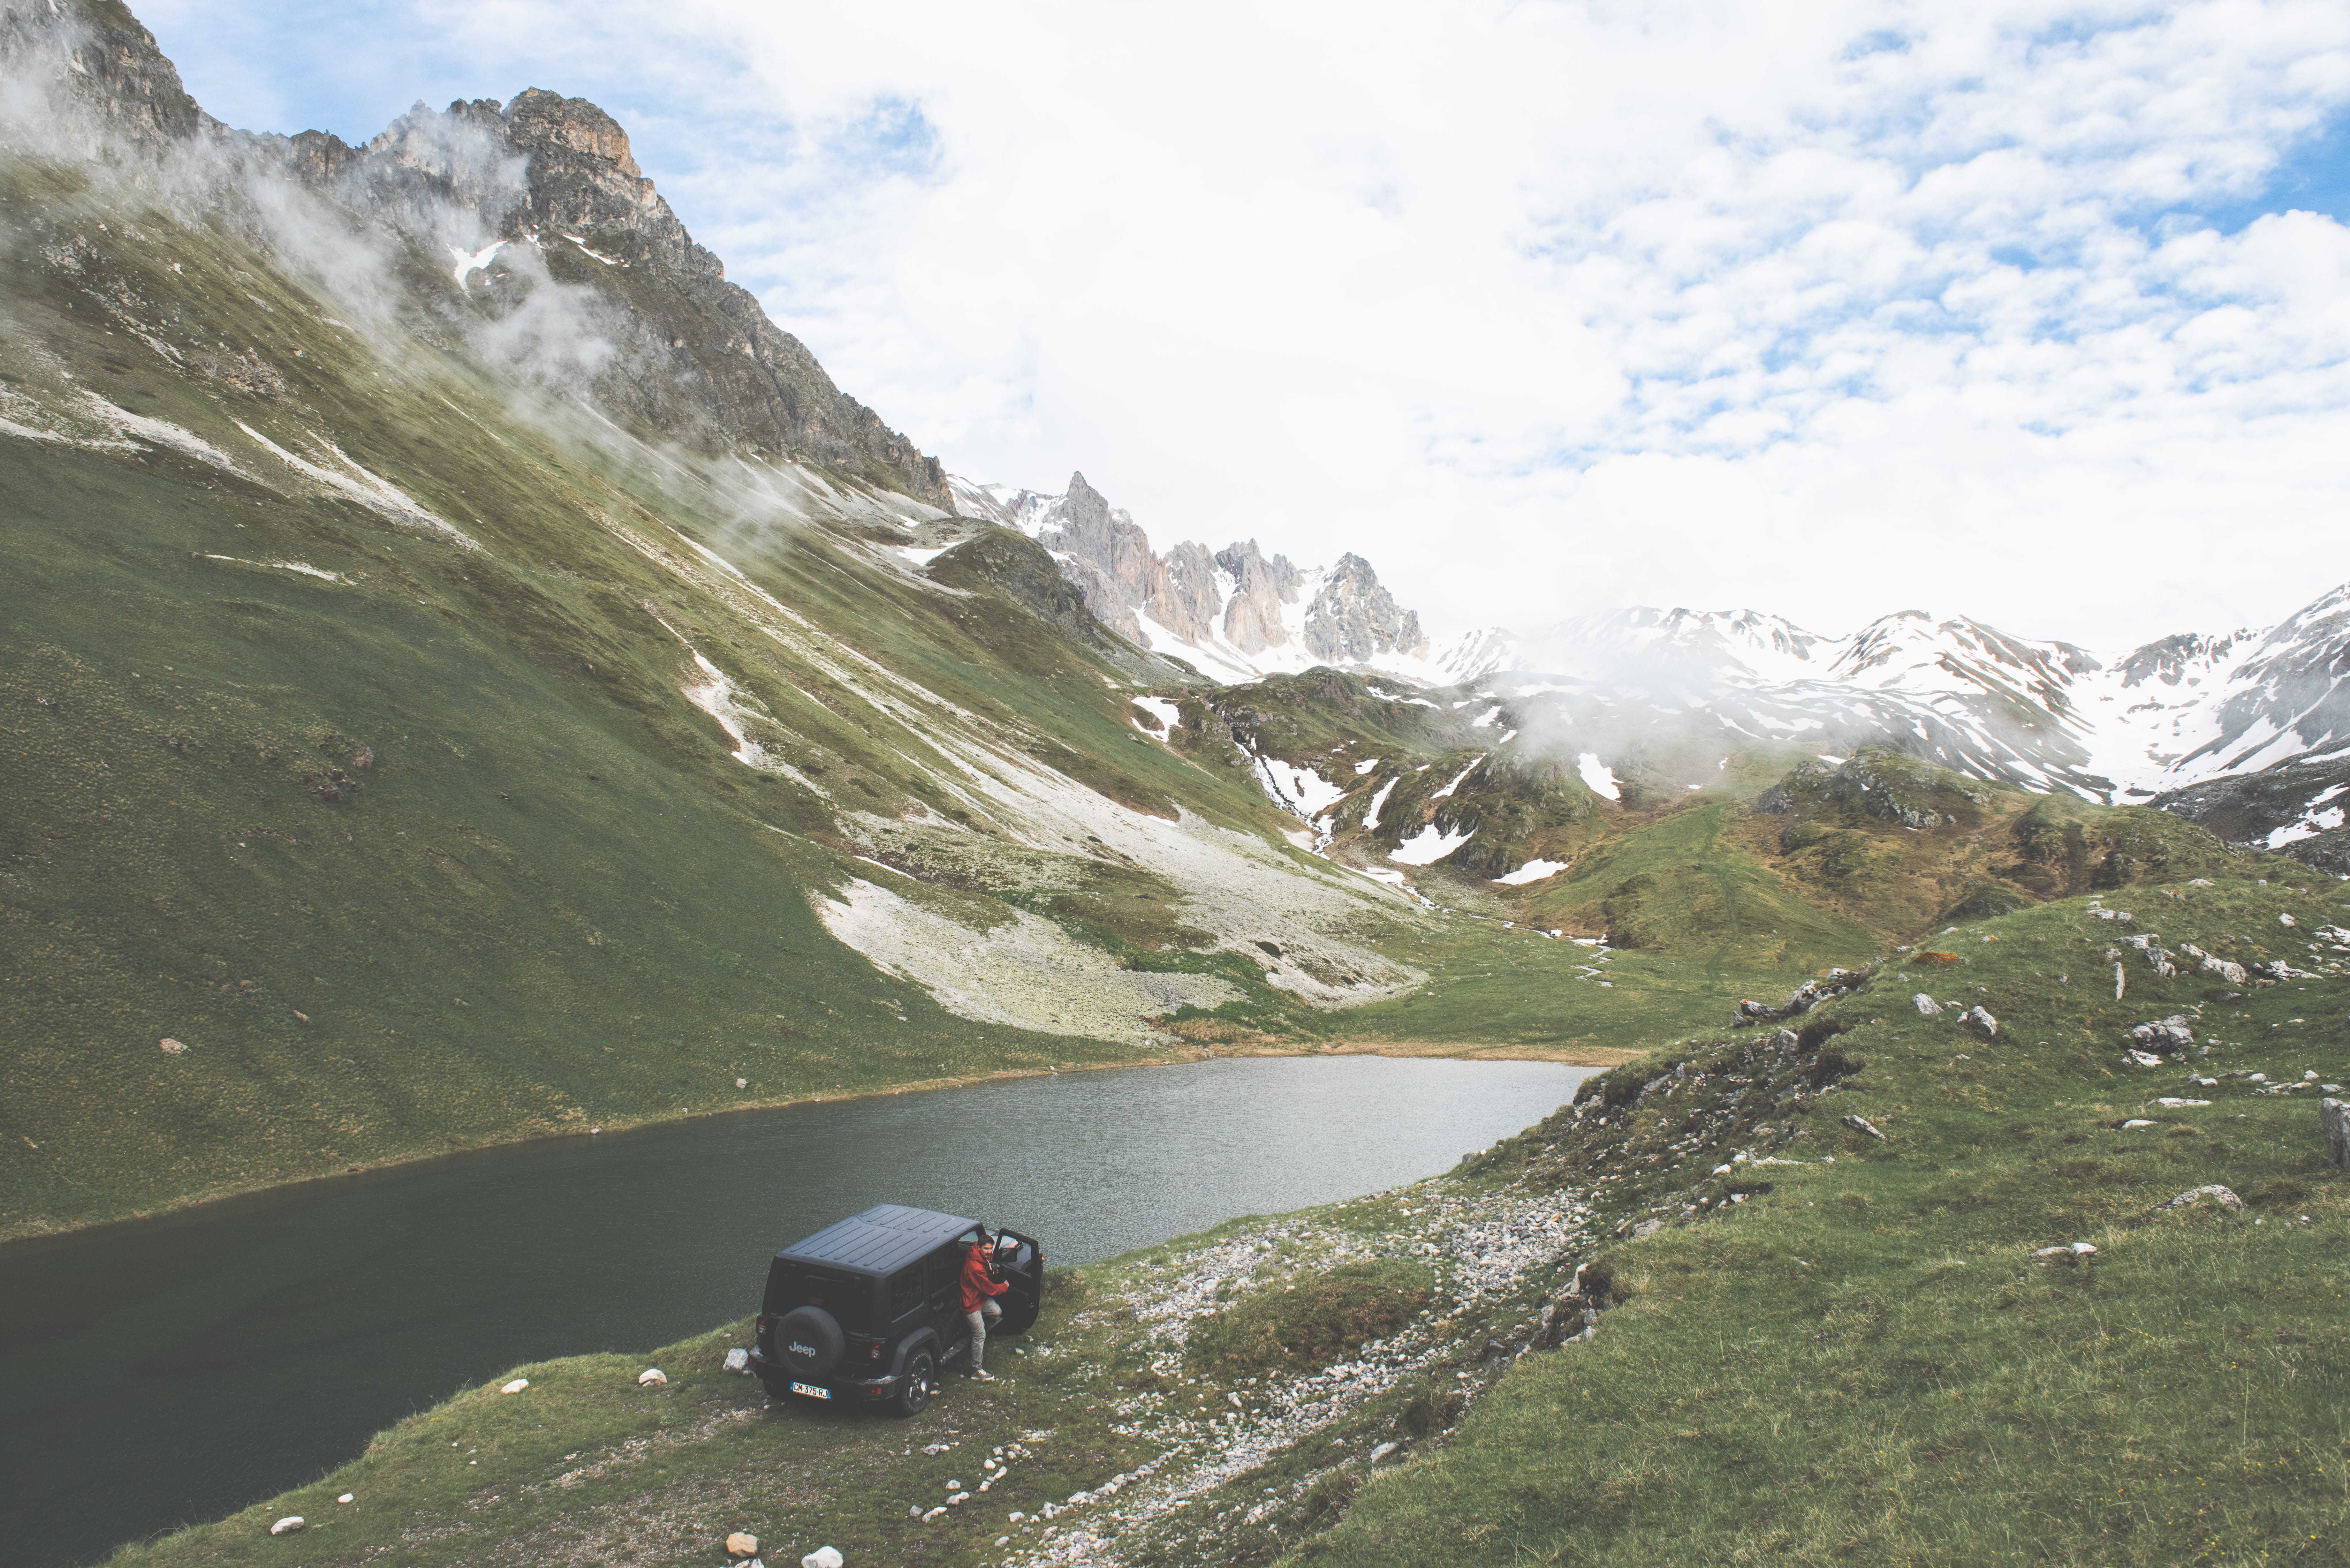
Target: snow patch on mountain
[1428,845]
[1598,775]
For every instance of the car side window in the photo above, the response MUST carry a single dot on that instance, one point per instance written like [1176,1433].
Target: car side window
[905,1291]
[945,1267]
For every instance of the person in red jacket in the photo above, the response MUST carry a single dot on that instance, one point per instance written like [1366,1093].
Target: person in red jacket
[980,1289]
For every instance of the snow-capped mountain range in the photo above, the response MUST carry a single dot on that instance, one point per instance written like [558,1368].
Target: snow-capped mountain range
[2045,714]
[2042,715]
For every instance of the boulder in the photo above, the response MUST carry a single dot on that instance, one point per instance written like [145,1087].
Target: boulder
[2072,1251]
[1926,1005]
[2335,1117]
[1978,1017]
[517,1387]
[823,1557]
[742,1544]
[287,1526]
[2171,1033]
[1863,1125]
[653,1378]
[2144,1058]
[2194,1195]
[738,1360]
[173,1047]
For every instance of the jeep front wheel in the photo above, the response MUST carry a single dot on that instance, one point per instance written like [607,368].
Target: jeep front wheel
[914,1390]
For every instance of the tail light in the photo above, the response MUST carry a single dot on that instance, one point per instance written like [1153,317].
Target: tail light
[765,1323]
[876,1350]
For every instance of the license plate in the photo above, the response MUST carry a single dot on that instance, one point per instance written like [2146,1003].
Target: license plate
[811,1390]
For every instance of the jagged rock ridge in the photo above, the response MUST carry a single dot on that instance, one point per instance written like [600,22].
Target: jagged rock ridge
[1237,612]
[557,174]
[543,189]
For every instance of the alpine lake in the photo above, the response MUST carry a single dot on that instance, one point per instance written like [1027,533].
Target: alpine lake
[159,1372]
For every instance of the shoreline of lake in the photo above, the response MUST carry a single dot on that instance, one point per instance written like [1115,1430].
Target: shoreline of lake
[1460,1051]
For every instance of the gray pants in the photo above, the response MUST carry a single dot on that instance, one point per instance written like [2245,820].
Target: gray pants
[978,1321]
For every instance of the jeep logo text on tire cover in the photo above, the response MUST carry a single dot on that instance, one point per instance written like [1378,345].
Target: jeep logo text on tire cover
[797,1348]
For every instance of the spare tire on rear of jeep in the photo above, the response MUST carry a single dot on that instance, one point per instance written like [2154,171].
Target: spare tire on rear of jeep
[809,1342]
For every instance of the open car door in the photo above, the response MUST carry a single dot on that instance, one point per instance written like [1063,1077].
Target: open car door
[1024,1271]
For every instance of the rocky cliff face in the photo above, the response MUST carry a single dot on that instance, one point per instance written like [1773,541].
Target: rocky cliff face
[1354,619]
[1253,618]
[650,330]
[1238,612]
[700,361]
[98,52]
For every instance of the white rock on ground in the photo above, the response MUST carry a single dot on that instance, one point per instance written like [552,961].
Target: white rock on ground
[287,1526]
[2218,1194]
[738,1360]
[742,1543]
[1927,1004]
[653,1378]
[517,1387]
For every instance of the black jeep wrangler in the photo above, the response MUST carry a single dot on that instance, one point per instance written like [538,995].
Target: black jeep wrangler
[871,1308]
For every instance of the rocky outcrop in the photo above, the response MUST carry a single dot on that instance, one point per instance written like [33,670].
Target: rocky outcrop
[95,54]
[1253,620]
[1239,597]
[1353,618]
[697,359]
[2172,660]
[1188,602]
[2300,809]
[1018,567]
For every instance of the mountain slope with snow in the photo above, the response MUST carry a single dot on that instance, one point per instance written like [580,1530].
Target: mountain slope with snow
[2042,715]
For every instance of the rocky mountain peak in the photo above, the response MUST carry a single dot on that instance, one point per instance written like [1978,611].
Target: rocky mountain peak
[1253,618]
[95,54]
[1354,618]
[546,121]
[693,357]
[1238,612]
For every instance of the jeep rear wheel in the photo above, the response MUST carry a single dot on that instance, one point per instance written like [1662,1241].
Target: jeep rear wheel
[809,1342]
[914,1390]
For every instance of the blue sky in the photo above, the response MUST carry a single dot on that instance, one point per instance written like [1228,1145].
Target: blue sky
[1825,308]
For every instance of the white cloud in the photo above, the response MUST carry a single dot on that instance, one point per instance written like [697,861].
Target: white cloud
[1821,308]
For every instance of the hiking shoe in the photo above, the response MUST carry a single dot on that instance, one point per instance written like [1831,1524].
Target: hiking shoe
[981,1376]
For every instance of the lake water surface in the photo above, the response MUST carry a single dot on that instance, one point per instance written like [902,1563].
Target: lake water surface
[164,1371]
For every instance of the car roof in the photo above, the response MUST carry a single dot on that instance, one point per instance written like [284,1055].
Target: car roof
[885,1237]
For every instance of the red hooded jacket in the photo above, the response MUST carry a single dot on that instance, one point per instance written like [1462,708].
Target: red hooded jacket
[976,1286]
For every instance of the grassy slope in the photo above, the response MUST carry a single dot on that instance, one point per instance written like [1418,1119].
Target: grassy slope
[1858,1363]
[554,900]
[1863,1364]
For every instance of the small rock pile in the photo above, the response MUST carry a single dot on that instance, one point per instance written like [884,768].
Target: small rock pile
[1801,1000]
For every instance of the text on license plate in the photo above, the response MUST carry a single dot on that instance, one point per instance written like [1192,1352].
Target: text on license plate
[812,1390]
